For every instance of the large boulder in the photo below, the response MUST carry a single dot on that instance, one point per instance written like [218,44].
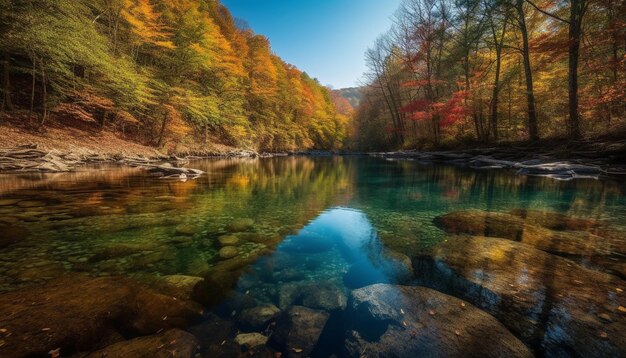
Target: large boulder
[77,313]
[298,330]
[172,343]
[407,321]
[554,305]
[507,226]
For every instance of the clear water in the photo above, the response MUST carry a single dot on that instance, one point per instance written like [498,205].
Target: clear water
[293,227]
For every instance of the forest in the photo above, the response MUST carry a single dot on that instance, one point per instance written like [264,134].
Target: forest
[461,72]
[160,72]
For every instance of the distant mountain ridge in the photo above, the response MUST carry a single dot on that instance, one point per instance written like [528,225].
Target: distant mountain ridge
[354,95]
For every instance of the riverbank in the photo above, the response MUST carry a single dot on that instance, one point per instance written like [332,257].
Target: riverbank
[65,149]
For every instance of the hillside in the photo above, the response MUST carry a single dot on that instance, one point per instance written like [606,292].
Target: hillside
[354,95]
[165,73]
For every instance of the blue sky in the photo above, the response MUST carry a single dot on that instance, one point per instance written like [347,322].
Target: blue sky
[325,38]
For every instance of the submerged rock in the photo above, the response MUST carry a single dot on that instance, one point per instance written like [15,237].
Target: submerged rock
[186,229]
[173,343]
[317,295]
[298,330]
[11,234]
[75,313]
[324,295]
[555,221]
[502,225]
[180,286]
[240,225]
[251,340]
[548,301]
[404,321]
[228,240]
[228,252]
[212,332]
[257,318]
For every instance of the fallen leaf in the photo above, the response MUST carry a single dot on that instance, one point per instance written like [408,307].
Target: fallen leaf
[457,332]
[55,353]
[297,350]
[621,309]
[401,311]
[45,329]
[431,312]
[619,290]
[604,335]
[463,304]
[404,324]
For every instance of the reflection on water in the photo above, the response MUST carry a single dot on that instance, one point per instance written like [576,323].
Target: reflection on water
[310,252]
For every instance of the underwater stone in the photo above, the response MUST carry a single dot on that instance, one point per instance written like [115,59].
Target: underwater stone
[405,321]
[323,295]
[228,240]
[251,340]
[239,225]
[298,327]
[11,234]
[257,318]
[173,342]
[88,309]
[228,252]
[186,229]
[502,225]
[546,300]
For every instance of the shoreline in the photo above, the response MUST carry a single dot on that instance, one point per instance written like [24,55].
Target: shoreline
[63,150]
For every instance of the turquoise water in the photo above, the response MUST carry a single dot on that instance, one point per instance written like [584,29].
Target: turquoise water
[293,231]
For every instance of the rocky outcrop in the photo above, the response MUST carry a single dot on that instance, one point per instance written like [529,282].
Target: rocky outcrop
[551,303]
[77,313]
[404,321]
[172,343]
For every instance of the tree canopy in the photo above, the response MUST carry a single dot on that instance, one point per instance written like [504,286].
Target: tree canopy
[170,70]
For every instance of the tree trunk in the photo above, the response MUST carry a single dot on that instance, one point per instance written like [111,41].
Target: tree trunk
[6,83]
[162,132]
[575,22]
[533,130]
[496,83]
[44,94]
[32,90]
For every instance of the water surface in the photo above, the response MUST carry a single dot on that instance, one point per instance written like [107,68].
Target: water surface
[299,231]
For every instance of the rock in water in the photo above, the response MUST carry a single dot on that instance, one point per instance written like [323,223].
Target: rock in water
[298,330]
[240,225]
[228,240]
[502,225]
[257,318]
[75,313]
[404,321]
[10,235]
[548,301]
[228,252]
[555,221]
[251,340]
[173,343]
